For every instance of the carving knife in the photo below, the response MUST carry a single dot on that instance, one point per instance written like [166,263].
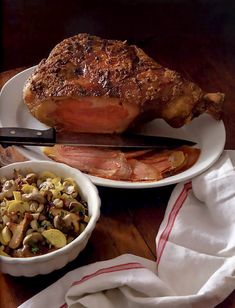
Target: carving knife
[49,137]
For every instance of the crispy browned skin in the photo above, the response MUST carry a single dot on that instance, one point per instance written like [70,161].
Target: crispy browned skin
[90,84]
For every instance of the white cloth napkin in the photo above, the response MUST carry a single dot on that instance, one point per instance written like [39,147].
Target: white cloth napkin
[195,264]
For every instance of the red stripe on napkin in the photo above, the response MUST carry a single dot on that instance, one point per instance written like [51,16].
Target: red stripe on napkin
[116,268]
[171,219]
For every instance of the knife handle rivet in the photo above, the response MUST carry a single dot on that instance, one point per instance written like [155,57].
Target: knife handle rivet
[39,133]
[12,132]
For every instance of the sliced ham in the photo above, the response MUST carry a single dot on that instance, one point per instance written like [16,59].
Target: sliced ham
[135,166]
[143,172]
[155,166]
[98,162]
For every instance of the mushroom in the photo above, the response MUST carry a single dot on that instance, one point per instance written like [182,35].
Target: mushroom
[58,203]
[46,224]
[48,195]
[31,244]
[47,185]
[35,215]
[6,235]
[54,211]
[34,224]
[31,178]
[8,188]
[18,231]
[32,239]
[70,187]
[60,224]
[34,196]
[35,207]
[76,207]
[72,219]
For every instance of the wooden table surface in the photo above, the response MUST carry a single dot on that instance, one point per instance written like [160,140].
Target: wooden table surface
[130,219]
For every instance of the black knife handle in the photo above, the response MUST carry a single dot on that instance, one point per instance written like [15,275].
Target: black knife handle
[27,136]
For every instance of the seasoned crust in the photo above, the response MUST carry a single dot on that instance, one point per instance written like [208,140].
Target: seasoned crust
[86,66]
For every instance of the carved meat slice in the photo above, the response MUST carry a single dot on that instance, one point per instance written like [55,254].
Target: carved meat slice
[90,84]
[155,166]
[144,172]
[99,162]
[143,165]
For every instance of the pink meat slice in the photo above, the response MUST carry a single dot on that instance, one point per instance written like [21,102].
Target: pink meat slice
[143,172]
[142,165]
[98,162]
[149,170]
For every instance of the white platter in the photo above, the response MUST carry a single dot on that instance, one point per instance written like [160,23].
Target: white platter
[207,132]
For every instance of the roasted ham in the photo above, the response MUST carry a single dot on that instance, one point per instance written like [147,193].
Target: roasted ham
[135,166]
[90,84]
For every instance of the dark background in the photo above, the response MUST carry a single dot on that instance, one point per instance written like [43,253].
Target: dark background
[163,28]
[196,37]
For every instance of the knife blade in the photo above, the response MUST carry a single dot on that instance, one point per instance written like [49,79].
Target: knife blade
[49,137]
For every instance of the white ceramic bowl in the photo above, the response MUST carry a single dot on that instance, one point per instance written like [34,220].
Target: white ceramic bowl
[49,262]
